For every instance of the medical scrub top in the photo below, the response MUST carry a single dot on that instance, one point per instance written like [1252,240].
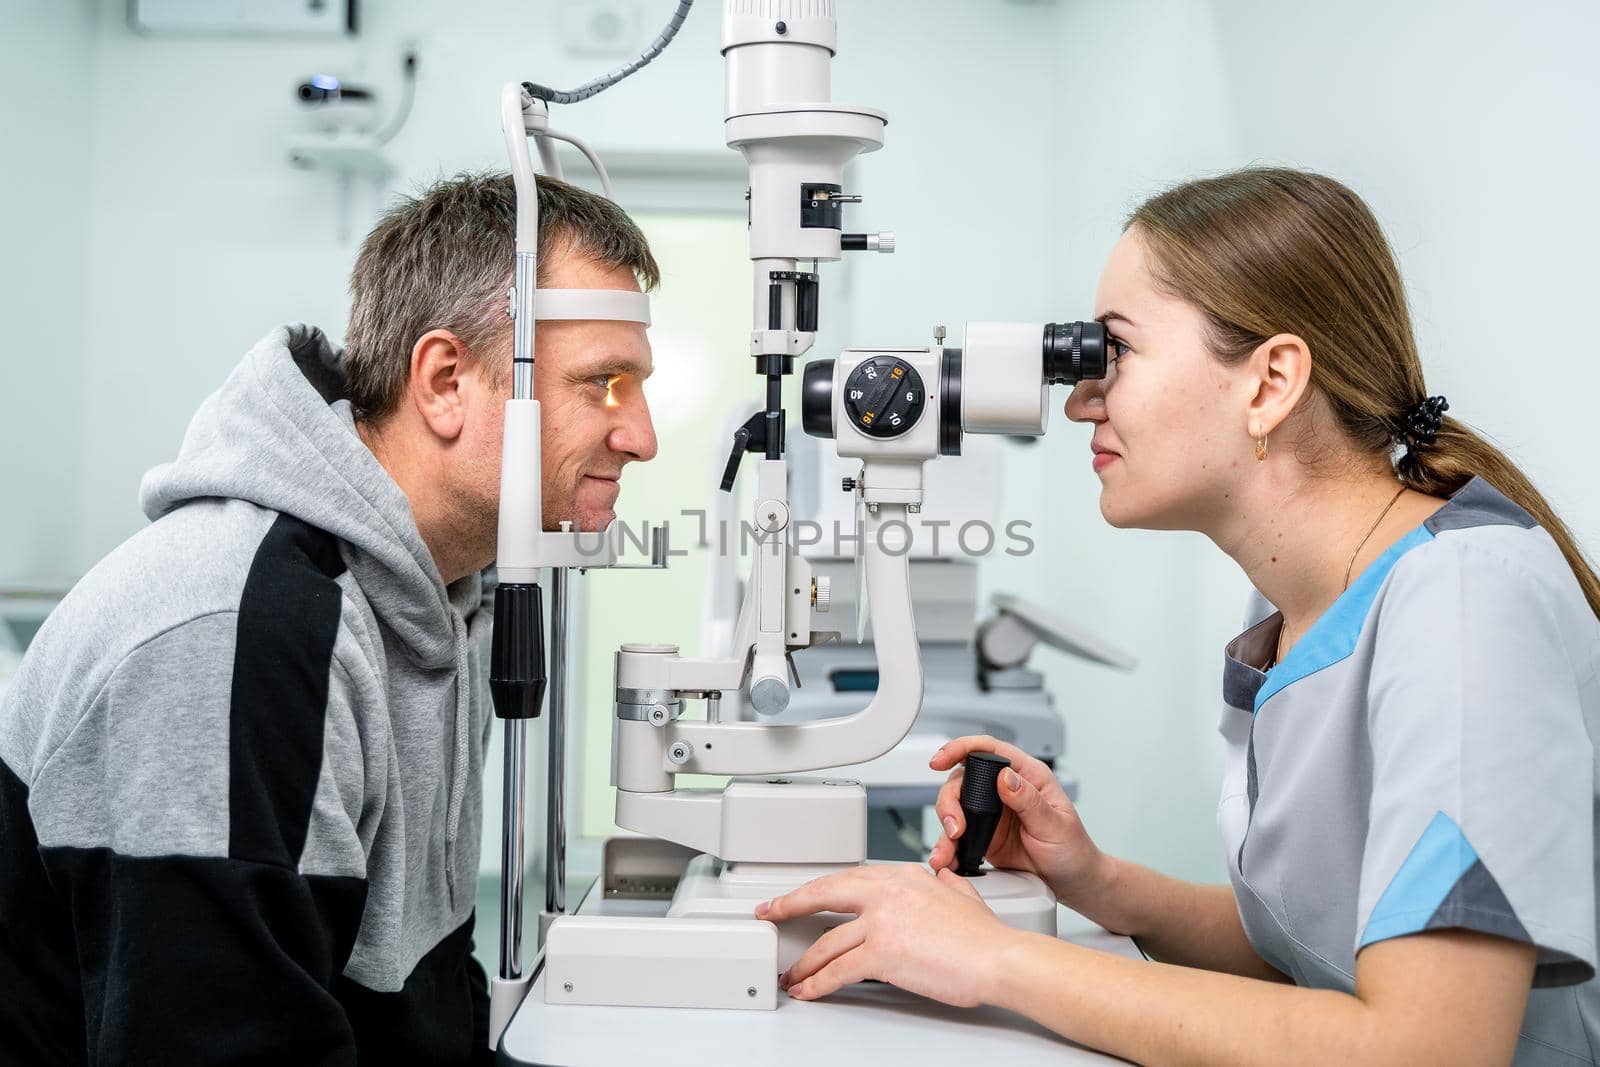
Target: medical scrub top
[1424,758]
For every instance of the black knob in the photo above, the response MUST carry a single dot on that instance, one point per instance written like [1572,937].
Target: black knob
[516,654]
[848,485]
[981,805]
[884,397]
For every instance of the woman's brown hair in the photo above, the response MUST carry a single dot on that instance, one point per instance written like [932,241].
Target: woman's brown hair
[1264,251]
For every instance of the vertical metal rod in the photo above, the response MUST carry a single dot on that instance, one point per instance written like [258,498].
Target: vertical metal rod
[513,812]
[522,326]
[555,873]
[774,416]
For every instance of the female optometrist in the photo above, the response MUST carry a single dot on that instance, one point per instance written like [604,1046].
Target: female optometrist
[1409,807]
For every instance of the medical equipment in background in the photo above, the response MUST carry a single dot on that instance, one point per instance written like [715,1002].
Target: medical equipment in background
[23,610]
[342,134]
[977,679]
[890,410]
[305,18]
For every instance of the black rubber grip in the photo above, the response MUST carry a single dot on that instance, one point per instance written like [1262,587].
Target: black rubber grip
[516,654]
[982,806]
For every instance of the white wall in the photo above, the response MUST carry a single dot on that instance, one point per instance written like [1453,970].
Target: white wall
[44,175]
[1019,136]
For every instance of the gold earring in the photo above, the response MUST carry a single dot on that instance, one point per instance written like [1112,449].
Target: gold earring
[1261,448]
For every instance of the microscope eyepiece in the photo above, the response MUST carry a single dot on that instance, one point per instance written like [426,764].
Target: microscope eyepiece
[997,382]
[1074,351]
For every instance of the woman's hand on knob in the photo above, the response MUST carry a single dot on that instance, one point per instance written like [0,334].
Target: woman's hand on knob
[1039,830]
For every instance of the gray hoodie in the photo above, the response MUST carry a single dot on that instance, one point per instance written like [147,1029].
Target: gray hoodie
[240,764]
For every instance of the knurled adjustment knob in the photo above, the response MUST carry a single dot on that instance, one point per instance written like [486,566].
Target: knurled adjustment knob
[516,655]
[982,807]
[848,485]
[822,594]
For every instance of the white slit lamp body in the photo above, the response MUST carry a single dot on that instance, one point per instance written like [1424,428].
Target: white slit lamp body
[767,831]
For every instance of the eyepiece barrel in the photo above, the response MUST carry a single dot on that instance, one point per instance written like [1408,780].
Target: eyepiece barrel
[1074,351]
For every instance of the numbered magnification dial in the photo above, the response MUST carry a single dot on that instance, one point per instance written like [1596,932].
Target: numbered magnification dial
[883,396]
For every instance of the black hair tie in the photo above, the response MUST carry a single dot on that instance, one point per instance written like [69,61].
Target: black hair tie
[1422,422]
[1419,428]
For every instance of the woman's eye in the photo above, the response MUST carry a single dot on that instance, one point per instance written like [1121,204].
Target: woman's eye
[1119,348]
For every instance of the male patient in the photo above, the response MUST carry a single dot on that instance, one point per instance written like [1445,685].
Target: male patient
[240,769]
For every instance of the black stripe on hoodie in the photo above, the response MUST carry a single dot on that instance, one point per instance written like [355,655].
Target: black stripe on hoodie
[288,621]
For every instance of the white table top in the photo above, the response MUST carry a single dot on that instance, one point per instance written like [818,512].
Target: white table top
[866,1024]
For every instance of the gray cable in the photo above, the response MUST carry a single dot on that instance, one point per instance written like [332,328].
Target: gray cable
[584,92]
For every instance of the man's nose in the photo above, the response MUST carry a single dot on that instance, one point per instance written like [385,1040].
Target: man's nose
[1087,402]
[632,433]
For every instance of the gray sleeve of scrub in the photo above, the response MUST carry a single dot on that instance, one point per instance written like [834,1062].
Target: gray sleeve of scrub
[1481,813]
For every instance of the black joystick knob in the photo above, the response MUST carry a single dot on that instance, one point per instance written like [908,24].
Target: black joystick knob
[980,803]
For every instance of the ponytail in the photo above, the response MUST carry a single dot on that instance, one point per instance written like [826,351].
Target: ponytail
[1458,454]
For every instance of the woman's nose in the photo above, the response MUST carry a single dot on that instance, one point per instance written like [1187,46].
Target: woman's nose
[1087,402]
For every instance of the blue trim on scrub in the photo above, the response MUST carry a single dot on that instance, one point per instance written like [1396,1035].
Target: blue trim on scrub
[1437,861]
[1333,636]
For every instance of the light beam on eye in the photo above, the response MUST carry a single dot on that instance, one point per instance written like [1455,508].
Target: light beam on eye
[611,394]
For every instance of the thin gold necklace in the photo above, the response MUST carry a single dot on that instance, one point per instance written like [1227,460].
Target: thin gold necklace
[1277,656]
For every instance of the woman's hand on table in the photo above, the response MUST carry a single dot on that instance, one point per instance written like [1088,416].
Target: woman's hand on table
[927,933]
[1039,830]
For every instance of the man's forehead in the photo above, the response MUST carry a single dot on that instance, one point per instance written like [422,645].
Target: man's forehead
[589,347]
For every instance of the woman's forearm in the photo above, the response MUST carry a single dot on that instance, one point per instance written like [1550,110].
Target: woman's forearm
[1444,996]
[1174,921]
[1161,1014]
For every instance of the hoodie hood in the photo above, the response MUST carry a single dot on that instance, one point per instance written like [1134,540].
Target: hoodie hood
[280,434]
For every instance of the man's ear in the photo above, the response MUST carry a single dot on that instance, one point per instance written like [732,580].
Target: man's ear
[438,366]
[1281,367]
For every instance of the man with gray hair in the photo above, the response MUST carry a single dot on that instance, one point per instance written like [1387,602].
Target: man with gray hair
[240,766]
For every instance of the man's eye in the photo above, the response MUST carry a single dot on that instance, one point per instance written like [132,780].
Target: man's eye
[608,387]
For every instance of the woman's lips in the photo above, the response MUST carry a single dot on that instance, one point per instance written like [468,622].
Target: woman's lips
[1102,460]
